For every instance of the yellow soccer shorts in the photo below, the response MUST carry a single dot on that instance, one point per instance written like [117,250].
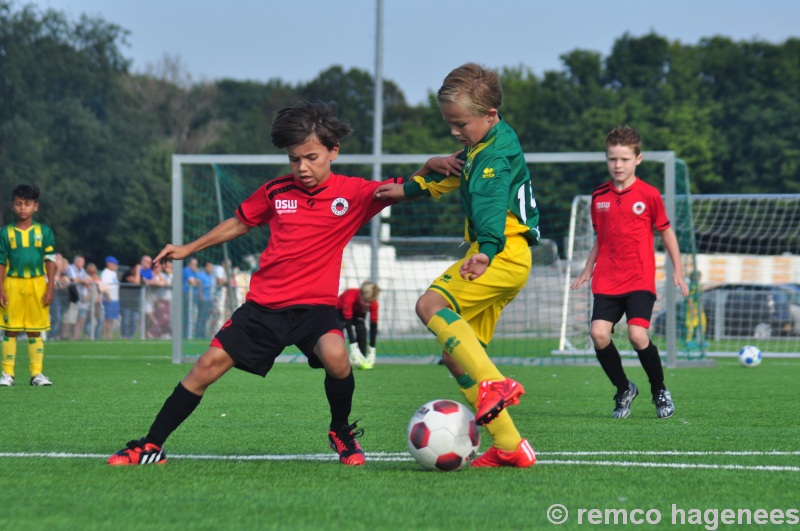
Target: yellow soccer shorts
[480,301]
[25,311]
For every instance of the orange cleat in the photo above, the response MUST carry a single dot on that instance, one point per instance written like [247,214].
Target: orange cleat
[522,457]
[493,397]
[138,453]
[343,442]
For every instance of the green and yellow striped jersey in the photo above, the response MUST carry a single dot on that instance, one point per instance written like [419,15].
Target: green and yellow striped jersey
[23,251]
[496,191]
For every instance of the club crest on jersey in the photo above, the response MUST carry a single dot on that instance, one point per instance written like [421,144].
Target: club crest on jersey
[286,206]
[340,206]
[467,166]
[638,207]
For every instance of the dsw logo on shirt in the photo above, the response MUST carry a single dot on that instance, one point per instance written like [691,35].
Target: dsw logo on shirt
[285,206]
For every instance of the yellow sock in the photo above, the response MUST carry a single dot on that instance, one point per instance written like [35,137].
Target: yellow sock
[459,340]
[9,354]
[36,355]
[505,435]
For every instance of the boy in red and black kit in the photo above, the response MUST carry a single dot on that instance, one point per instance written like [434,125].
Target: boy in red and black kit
[353,306]
[622,267]
[312,215]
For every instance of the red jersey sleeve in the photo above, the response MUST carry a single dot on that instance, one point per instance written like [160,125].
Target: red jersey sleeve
[660,219]
[368,194]
[256,210]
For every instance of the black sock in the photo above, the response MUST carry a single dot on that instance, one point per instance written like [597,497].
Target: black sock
[340,398]
[611,362]
[651,363]
[175,410]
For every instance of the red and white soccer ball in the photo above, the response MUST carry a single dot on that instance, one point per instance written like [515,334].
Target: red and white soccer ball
[442,435]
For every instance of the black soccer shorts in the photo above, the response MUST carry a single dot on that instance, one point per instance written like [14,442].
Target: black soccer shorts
[636,306]
[254,335]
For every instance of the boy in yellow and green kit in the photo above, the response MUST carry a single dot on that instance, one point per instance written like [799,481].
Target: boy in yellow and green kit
[27,278]
[463,305]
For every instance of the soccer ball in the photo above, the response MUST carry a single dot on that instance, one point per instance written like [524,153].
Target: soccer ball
[750,356]
[442,435]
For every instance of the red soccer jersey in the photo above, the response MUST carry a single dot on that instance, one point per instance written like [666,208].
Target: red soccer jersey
[349,304]
[309,229]
[624,221]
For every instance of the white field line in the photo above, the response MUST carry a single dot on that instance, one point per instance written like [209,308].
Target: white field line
[403,457]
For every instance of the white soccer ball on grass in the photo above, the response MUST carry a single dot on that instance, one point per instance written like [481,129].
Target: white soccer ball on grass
[442,435]
[750,356]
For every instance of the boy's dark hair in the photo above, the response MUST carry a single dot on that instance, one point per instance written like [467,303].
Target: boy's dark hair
[480,87]
[625,135]
[29,192]
[293,125]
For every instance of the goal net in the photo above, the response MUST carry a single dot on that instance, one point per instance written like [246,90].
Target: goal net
[749,263]
[403,250]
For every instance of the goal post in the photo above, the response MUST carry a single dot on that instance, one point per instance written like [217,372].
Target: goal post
[415,242]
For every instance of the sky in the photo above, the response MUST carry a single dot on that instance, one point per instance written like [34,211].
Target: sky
[295,40]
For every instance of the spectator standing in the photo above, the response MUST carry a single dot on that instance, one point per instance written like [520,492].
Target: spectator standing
[205,306]
[57,307]
[74,319]
[98,291]
[240,282]
[220,296]
[151,286]
[161,326]
[190,295]
[111,310]
[130,301]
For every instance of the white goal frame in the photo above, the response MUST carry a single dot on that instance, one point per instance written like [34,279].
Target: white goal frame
[667,158]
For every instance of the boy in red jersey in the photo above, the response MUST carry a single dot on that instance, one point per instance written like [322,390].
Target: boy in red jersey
[312,215]
[353,306]
[622,267]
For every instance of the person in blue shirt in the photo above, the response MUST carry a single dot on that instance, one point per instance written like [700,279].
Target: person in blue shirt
[190,294]
[205,304]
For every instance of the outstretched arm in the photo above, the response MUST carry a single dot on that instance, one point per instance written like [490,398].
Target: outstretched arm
[226,231]
[449,165]
[390,192]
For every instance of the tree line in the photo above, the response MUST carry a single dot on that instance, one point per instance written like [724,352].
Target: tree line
[98,138]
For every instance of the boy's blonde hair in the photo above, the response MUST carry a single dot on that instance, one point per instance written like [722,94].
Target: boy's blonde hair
[625,135]
[370,291]
[480,87]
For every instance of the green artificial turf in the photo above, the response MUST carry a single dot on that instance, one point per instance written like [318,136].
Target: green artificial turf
[254,454]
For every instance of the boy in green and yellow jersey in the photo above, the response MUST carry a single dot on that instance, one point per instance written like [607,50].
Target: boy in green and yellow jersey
[462,307]
[27,274]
